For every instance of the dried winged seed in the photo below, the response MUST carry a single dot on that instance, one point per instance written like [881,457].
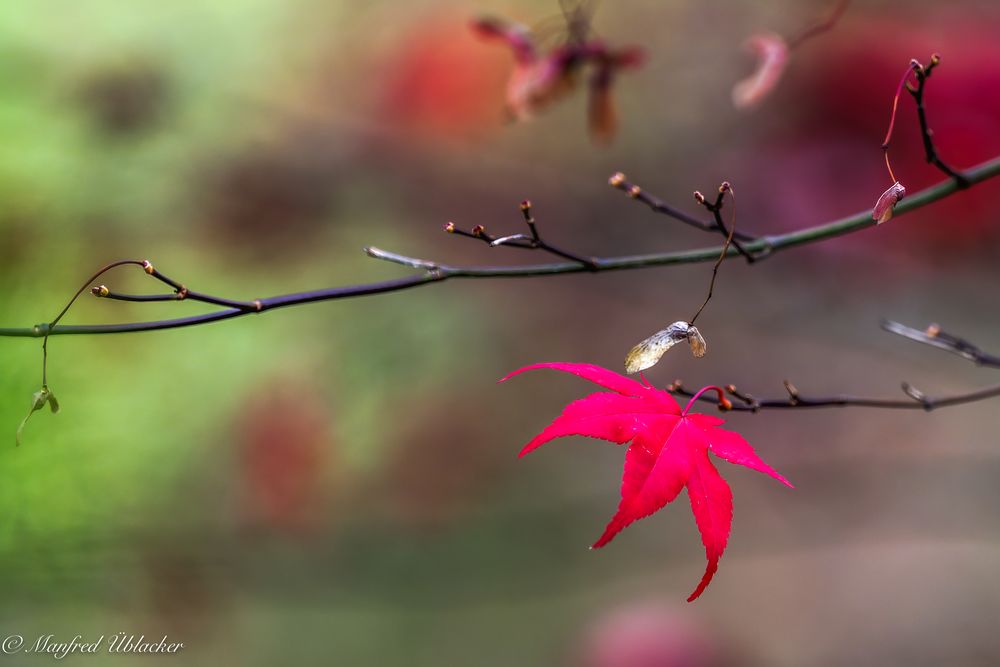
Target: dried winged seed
[887,202]
[647,353]
[38,401]
[697,342]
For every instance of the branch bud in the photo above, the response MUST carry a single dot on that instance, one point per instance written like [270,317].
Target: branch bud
[147,267]
[449,227]
[634,191]
[617,179]
[698,197]
[100,290]
[526,211]
[478,230]
[793,392]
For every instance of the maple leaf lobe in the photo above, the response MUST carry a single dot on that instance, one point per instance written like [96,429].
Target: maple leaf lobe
[667,453]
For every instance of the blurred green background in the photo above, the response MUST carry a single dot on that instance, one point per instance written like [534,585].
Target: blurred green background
[337,483]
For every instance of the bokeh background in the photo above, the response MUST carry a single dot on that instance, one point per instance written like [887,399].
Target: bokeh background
[337,483]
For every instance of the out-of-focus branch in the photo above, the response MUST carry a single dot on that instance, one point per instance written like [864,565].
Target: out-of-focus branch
[934,336]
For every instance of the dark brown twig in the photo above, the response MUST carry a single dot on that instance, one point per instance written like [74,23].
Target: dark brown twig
[916,399]
[715,208]
[529,242]
[930,150]
[620,182]
[723,189]
[926,403]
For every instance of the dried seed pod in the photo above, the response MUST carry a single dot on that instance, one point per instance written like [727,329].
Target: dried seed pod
[647,353]
[38,401]
[697,342]
[887,202]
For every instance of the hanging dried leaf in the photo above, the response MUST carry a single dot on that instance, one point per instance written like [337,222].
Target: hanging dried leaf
[647,353]
[887,202]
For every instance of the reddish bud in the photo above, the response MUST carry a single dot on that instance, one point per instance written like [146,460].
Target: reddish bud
[478,230]
[616,180]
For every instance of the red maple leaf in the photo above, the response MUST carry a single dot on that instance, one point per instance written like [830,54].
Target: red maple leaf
[669,452]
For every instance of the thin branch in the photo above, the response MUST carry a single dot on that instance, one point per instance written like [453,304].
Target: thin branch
[51,325]
[620,182]
[102,292]
[915,402]
[440,272]
[821,26]
[930,150]
[716,208]
[532,242]
[935,337]
[916,399]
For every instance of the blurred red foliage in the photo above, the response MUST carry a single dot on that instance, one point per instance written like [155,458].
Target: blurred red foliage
[283,443]
[646,634]
[440,83]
